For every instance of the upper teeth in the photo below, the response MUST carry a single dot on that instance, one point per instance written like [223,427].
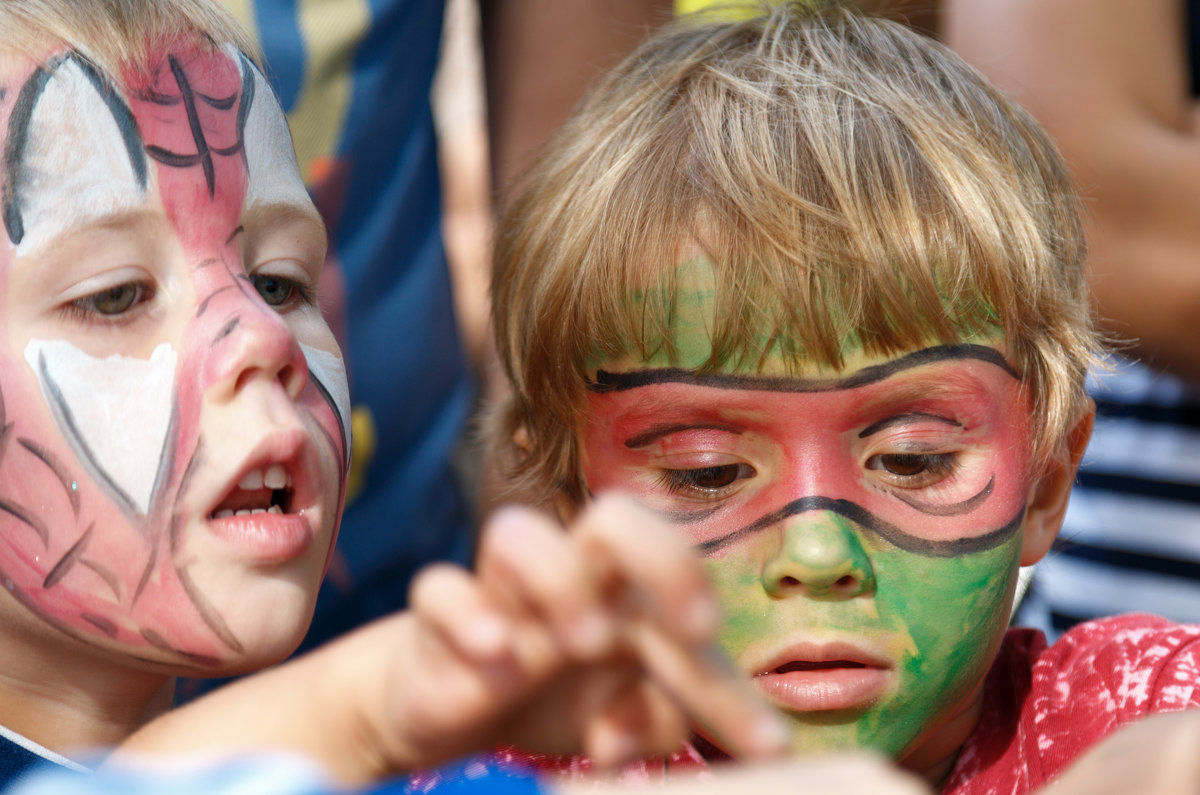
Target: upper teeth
[274,477]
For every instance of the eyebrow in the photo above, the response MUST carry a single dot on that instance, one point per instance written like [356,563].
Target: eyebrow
[283,211]
[620,382]
[904,418]
[659,431]
[99,222]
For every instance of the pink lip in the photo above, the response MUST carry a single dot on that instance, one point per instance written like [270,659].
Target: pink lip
[826,677]
[275,537]
[270,538]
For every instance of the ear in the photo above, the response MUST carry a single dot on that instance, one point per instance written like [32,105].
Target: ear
[1048,496]
[520,439]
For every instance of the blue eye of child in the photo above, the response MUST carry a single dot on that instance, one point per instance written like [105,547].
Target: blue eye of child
[115,300]
[273,289]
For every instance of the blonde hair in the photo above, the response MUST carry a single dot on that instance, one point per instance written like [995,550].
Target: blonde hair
[851,181]
[117,33]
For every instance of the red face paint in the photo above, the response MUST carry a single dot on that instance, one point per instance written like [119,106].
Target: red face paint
[932,454]
[155,242]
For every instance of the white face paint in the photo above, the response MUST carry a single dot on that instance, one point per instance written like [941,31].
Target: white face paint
[151,369]
[330,371]
[77,164]
[270,154]
[116,412]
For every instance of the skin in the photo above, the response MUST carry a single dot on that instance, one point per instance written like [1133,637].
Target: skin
[160,264]
[877,514]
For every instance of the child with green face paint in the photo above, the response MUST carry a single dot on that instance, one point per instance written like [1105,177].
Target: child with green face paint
[811,289]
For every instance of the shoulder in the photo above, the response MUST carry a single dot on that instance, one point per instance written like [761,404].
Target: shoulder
[1047,704]
[1104,674]
[1140,663]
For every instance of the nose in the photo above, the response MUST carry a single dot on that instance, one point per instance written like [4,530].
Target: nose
[819,555]
[253,342]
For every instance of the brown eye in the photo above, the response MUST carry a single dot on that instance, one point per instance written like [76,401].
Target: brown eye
[913,470]
[714,477]
[905,464]
[705,481]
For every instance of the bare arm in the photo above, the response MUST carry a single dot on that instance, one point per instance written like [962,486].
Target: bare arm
[597,640]
[1108,79]
[1156,756]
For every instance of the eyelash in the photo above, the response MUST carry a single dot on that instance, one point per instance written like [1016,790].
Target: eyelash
[936,468]
[685,481]
[300,290]
[85,309]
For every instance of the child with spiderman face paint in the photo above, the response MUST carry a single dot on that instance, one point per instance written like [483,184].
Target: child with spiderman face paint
[173,405]
[811,290]
[173,448]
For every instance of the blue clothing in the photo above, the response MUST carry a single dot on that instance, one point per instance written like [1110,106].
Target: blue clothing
[19,755]
[358,102]
[267,775]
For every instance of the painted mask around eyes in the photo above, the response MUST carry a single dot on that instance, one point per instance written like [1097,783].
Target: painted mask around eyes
[862,527]
[173,445]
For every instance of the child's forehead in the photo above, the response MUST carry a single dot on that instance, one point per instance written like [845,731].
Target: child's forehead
[682,320]
[85,146]
[936,371]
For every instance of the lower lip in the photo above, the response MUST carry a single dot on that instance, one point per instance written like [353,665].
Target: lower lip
[270,538]
[824,690]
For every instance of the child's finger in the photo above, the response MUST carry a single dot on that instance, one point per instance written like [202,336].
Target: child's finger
[638,722]
[450,601]
[668,580]
[525,556]
[720,699]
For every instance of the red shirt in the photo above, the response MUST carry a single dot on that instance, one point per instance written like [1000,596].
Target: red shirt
[1042,706]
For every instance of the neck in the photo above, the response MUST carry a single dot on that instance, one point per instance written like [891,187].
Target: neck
[76,699]
[933,758]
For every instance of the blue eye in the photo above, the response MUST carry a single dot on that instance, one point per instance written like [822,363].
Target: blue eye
[274,290]
[111,304]
[279,291]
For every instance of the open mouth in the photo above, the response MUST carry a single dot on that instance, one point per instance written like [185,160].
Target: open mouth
[260,490]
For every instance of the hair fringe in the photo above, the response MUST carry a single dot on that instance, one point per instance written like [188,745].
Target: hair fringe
[850,180]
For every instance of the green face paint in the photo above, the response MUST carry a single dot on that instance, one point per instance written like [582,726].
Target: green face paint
[863,526]
[941,618]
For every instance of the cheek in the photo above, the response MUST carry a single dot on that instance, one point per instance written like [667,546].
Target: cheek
[738,588]
[955,610]
[117,412]
[54,515]
[328,395]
